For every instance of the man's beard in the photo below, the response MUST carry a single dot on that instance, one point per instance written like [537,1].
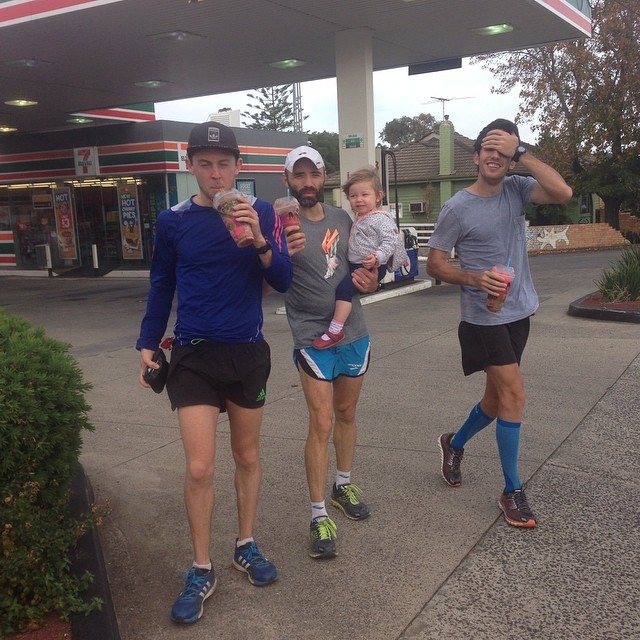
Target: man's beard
[308,200]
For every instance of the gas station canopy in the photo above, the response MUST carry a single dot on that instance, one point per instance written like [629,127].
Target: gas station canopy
[71,56]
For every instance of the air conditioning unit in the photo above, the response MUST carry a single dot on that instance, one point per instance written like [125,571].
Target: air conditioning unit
[417,208]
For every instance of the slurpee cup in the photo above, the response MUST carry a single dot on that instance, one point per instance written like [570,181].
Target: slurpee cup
[224,203]
[507,274]
[288,209]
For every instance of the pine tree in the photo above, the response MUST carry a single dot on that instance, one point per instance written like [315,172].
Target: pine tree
[273,109]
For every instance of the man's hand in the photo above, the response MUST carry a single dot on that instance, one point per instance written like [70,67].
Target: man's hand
[146,360]
[488,281]
[244,212]
[365,280]
[296,240]
[504,143]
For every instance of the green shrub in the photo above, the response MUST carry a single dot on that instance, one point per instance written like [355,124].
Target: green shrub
[621,283]
[42,414]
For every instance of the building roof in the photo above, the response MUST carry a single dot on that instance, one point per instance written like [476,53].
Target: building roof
[420,160]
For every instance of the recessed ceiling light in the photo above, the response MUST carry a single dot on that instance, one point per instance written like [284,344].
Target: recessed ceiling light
[20,103]
[150,84]
[493,29]
[79,120]
[177,36]
[290,63]
[22,62]
[7,129]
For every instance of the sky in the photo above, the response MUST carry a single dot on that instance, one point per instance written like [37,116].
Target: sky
[470,107]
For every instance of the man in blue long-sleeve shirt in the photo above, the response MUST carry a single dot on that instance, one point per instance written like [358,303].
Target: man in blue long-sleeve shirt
[220,360]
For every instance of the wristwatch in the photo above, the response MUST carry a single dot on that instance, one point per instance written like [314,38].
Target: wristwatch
[262,250]
[520,150]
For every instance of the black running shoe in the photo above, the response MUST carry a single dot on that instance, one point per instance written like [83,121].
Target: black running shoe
[323,535]
[516,509]
[346,497]
[451,459]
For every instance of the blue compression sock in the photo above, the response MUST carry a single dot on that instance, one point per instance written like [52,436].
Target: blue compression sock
[508,437]
[476,421]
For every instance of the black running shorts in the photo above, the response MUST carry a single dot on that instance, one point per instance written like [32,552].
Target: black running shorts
[483,346]
[213,372]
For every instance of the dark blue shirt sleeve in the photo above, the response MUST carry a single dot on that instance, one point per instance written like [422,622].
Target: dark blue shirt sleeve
[161,291]
[280,273]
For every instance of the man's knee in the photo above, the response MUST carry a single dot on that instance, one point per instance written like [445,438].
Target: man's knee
[199,472]
[345,408]
[346,414]
[320,425]
[247,459]
[512,398]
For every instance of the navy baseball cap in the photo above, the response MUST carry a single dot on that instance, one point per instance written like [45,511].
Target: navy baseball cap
[212,135]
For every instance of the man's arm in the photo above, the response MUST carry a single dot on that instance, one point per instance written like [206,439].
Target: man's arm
[439,267]
[267,229]
[551,187]
[161,290]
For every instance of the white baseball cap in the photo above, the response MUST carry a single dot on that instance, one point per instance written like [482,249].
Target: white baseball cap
[303,152]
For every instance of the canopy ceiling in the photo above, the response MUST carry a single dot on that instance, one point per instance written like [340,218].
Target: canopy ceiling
[91,58]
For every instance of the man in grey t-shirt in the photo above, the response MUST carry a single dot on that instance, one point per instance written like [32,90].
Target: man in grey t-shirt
[485,224]
[331,378]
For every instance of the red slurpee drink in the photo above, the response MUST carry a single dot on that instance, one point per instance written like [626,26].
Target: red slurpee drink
[224,203]
[507,274]
[288,209]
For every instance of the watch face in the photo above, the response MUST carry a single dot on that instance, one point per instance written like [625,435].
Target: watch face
[520,150]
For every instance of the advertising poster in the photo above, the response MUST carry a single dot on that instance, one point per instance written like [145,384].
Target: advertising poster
[130,222]
[65,224]
[246,187]
[42,201]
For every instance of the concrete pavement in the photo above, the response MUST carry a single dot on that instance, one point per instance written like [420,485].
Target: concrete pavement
[432,562]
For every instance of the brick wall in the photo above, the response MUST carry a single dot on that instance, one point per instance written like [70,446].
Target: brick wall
[573,237]
[629,223]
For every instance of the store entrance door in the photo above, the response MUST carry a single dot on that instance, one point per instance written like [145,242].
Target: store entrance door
[97,216]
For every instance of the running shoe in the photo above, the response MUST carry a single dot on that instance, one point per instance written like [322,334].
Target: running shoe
[199,585]
[516,509]
[346,497]
[451,459]
[323,535]
[259,570]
